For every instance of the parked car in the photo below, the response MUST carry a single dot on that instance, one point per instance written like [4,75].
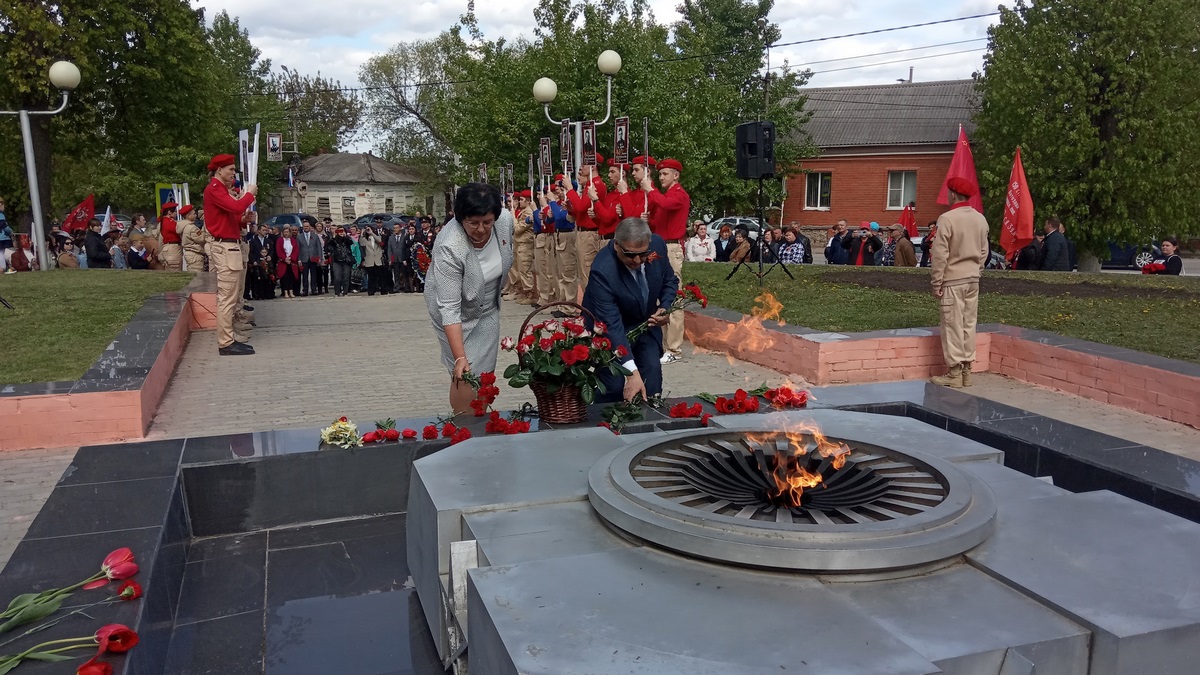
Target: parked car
[389,219]
[751,225]
[291,219]
[1130,256]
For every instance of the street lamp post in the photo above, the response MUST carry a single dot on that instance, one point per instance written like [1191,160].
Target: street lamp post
[545,91]
[64,75]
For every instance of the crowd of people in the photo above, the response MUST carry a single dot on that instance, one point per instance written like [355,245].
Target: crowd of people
[343,259]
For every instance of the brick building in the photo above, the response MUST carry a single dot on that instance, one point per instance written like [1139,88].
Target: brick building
[882,146]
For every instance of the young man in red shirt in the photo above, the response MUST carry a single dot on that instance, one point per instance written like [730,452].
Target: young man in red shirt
[670,208]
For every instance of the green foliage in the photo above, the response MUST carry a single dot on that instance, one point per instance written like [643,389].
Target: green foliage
[459,100]
[160,94]
[1099,97]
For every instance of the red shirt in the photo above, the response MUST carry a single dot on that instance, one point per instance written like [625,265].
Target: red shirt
[672,207]
[606,213]
[169,235]
[223,213]
[580,205]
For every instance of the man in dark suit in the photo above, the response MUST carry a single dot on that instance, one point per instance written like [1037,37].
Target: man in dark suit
[632,282]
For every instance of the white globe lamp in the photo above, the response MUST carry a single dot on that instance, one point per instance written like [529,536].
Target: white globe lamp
[609,62]
[64,75]
[545,90]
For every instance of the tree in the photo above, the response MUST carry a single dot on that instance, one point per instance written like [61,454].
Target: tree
[479,109]
[1099,97]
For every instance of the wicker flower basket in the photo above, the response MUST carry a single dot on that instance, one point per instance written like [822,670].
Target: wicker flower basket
[564,405]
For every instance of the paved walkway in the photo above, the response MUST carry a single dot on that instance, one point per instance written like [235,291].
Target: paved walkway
[376,357]
[368,358]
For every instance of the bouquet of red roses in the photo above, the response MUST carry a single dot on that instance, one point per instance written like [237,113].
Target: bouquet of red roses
[558,353]
[690,294]
[1154,268]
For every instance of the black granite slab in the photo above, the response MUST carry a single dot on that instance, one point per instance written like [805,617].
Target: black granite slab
[232,645]
[103,507]
[123,461]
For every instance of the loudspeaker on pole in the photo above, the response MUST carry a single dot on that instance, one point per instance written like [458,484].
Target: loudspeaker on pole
[755,150]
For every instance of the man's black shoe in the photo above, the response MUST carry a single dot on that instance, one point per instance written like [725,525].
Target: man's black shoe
[252,323]
[247,308]
[236,349]
[558,315]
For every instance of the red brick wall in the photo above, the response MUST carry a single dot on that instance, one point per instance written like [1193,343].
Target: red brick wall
[859,187]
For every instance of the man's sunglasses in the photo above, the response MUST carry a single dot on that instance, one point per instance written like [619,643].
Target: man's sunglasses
[633,254]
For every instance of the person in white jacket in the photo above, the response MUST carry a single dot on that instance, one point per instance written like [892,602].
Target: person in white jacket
[700,248]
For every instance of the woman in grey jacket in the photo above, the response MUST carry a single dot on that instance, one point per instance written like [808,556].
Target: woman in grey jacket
[471,259]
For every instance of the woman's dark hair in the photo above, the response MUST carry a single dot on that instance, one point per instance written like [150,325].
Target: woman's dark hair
[477,199]
[1173,240]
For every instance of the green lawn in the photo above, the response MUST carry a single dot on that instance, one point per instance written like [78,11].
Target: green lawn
[65,318]
[1155,314]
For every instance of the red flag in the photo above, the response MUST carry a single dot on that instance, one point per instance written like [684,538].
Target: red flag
[962,166]
[908,219]
[1017,231]
[78,218]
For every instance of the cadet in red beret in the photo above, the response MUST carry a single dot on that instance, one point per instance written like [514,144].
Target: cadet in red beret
[583,202]
[958,254]
[636,203]
[171,253]
[608,211]
[519,286]
[224,223]
[673,205]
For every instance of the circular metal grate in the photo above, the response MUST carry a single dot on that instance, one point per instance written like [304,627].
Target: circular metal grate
[710,494]
[733,478]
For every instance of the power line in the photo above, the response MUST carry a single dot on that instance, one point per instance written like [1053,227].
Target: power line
[887,53]
[830,37]
[913,58]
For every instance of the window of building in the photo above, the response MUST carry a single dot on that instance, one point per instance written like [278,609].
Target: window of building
[817,189]
[389,205]
[323,208]
[902,189]
[347,209]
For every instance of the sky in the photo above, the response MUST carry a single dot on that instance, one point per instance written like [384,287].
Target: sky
[335,39]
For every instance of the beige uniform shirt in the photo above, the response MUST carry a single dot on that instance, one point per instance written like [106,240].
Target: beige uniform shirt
[960,248]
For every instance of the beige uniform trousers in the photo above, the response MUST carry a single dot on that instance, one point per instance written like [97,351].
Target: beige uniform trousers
[195,261]
[567,265]
[545,264]
[241,289]
[523,263]
[959,308]
[171,256]
[226,260]
[674,336]
[587,244]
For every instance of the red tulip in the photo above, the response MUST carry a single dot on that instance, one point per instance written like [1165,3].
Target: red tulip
[116,638]
[391,435]
[409,433]
[370,437]
[130,590]
[117,565]
[94,668]
[704,419]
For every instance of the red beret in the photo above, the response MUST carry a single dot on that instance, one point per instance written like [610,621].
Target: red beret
[599,159]
[168,206]
[962,186]
[185,210]
[670,164]
[525,193]
[220,162]
[559,176]
[643,160]
[626,167]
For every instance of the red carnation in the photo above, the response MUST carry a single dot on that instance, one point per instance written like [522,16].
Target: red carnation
[704,419]
[740,395]
[601,343]
[429,433]
[696,409]
[752,404]
[129,590]
[460,435]
[622,351]
[487,379]
[448,430]
[409,433]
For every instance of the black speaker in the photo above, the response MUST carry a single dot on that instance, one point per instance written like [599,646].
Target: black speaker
[756,150]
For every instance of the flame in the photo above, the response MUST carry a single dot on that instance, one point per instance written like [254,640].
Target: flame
[789,475]
[749,334]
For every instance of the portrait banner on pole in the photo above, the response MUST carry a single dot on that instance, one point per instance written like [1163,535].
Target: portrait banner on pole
[621,140]
[274,147]
[545,159]
[564,146]
[511,182]
[588,130]
[483,174]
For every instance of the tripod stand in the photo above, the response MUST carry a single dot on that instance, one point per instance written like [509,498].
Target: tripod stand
[762,224]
